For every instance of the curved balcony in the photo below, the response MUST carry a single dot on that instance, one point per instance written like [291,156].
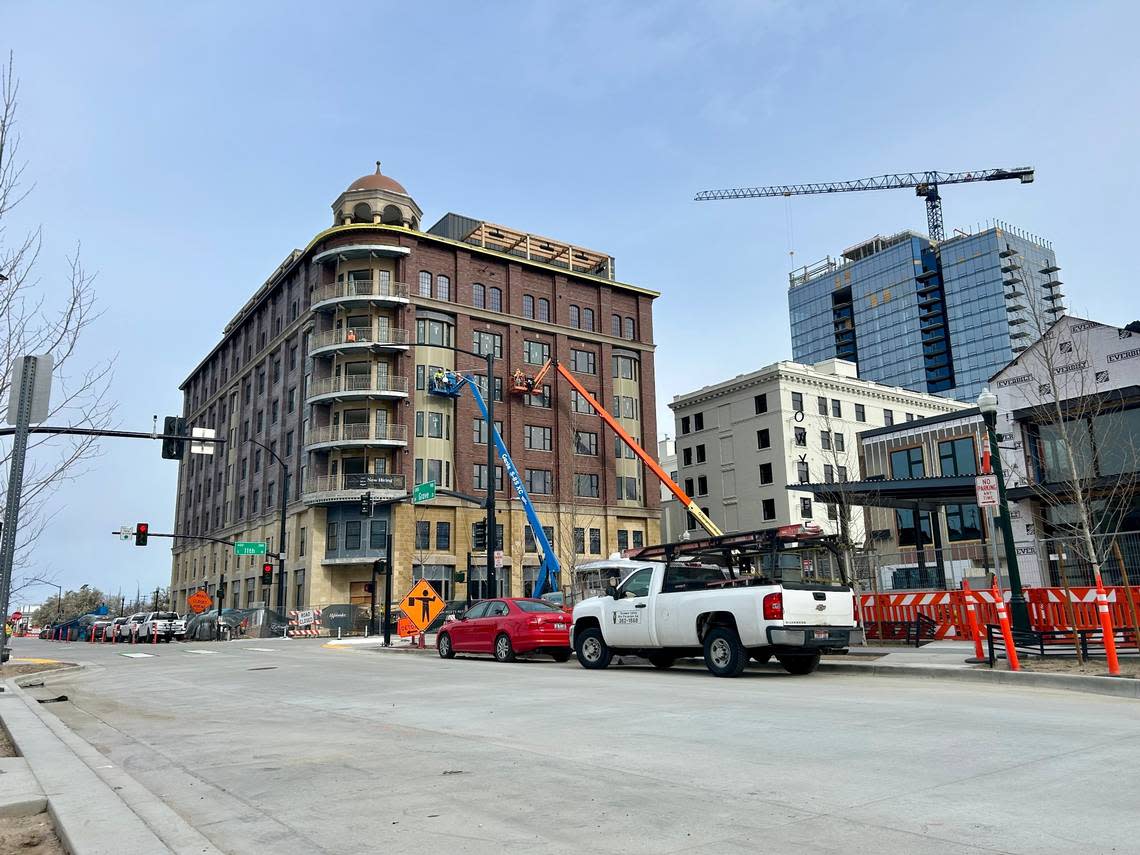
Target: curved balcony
[329,489]
[356,386]
[356,339]
[354,293]
[355,435]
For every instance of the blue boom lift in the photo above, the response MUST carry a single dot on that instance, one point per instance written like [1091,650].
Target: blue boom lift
[449,384]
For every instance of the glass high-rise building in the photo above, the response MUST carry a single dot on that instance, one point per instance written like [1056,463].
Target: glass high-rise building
[940,318]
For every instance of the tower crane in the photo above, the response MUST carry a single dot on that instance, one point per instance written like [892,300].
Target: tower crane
[925,184]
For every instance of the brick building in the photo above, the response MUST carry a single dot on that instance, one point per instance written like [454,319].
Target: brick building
[326,367]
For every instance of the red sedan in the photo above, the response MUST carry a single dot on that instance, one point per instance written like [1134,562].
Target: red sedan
[507,627]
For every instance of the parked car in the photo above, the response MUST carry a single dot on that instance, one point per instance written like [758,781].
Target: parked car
[101,628]
[131,626]
[45,631]
[114,629]
[164,626]
[506,627]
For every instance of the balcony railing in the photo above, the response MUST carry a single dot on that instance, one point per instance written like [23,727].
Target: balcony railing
[357,433]
[385,337]
[359,482]
[358,288]
[358,384]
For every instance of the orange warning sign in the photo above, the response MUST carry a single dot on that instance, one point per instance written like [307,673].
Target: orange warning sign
[422,605]
[199,601]
[405,628]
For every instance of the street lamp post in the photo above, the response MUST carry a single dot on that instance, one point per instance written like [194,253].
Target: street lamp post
[284,496]
[1019,610]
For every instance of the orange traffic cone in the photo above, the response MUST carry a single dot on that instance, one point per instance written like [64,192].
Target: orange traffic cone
[972,617]
[1106,627]
[1006,632]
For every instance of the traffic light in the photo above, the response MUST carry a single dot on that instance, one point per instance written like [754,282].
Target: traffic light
[366,505]
[174,449]
[479,536]
[221,591]
[267,574]
[141,532]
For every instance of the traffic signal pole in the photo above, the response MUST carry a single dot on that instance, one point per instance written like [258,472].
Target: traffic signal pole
[492,539]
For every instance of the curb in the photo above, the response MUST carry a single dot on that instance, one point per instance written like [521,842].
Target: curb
[1112,686]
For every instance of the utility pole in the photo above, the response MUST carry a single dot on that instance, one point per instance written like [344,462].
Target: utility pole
[492,539]
[388,593]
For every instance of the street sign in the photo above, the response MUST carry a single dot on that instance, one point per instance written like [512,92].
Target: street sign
[256,547]
[199,601]
[423,492]
[405,627]
[202,447]
[40,390]
[306,617]
[126,532]
[498,559]
[422,605]
[16,616]
[986,490]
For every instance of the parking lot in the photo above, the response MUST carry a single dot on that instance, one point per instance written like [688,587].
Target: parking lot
[289,746]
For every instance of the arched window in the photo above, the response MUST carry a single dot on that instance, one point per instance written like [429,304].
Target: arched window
[425,284]
[496,299]
[575,318]
[588,319]
[478,296]
[442,288]
[543,309]
[615,326]
[528,306]
[361,213]
[629,329]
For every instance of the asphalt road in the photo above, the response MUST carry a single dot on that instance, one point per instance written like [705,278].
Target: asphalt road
[289,747]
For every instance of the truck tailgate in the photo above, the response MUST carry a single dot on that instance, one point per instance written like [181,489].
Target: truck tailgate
[818,605]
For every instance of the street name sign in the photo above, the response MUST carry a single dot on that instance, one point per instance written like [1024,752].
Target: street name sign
[423,492]
[199,601]
[422,605]
[986,490]
[255,547]
[202,447]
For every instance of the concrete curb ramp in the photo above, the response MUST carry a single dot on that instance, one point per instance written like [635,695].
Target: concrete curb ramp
[1114,686]
[97,808]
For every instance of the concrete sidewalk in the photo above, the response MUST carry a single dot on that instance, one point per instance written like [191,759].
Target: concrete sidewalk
[97,809]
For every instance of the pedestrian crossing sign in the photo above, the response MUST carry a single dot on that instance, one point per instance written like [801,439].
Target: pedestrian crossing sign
[422,605]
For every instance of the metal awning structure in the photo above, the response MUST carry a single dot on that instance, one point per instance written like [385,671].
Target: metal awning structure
[924,494]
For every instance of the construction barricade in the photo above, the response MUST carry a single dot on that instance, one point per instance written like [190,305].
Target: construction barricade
[304,622]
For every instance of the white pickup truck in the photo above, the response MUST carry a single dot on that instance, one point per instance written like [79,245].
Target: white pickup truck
[163,625]
[665,611]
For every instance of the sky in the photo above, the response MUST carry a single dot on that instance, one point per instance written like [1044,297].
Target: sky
[190,147]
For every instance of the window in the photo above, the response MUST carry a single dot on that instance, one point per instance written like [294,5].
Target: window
[377,534]
[529,542]
[615,326]
[626,488]
[419,422]
[907,463]
[478,296]
[586,486]
[536,438]
[442,288]
[798,401]
[586,442]
[630,329]
[686,457]
[579,404]
[575,317]
[910,417]
[276,370]
[580,541]
[637,585]
[766,473]
[331,537]
[481,379]
[486,342]
[425,284]
[768,509]
[685,427]
[291,400]
[963,522]
[840,442]
[274,412]
[957,456]
[702,485]
[842,474]
[801,437]
[293,357]
[822,404]
[535,352]
[301,543]
[443,536]
[479,430]
[836,408]
[423,534]
[542,400]
[832,512]
[888,417]
[623,539]
[698,421]
[595,541]
[908,535]
[528,306]
[805,508]
[701,454]
[763,439]
[825,440]
[496,299]
[257,460]
[802,473]
[588,319]
[760,402]
[479,476]
[540,481]
[828,473]
[625,367]
[860,413]
[543,309]
[435,425]
[352,534]
[261,382]
[260,421]
[433,332]
[583,361]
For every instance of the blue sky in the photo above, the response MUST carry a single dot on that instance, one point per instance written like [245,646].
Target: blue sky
[191,146]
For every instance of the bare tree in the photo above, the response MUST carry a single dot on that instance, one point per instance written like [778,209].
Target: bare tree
[38,319]
[840,460]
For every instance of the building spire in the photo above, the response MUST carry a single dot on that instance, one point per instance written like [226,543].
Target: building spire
[377,167]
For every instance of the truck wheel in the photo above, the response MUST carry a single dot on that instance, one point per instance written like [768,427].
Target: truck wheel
[504,652]
[661,660]
[443,646]
[560,655]
[725,656]
[799,663]
[591,647]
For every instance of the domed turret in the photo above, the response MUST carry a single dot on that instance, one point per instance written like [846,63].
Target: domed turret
[376,198]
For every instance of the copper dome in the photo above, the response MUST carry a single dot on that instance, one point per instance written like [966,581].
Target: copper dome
[376,181]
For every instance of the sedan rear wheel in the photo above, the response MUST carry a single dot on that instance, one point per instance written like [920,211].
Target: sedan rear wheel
[504,650]
[443,646]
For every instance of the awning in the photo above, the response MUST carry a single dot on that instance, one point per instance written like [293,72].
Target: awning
[927,494]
